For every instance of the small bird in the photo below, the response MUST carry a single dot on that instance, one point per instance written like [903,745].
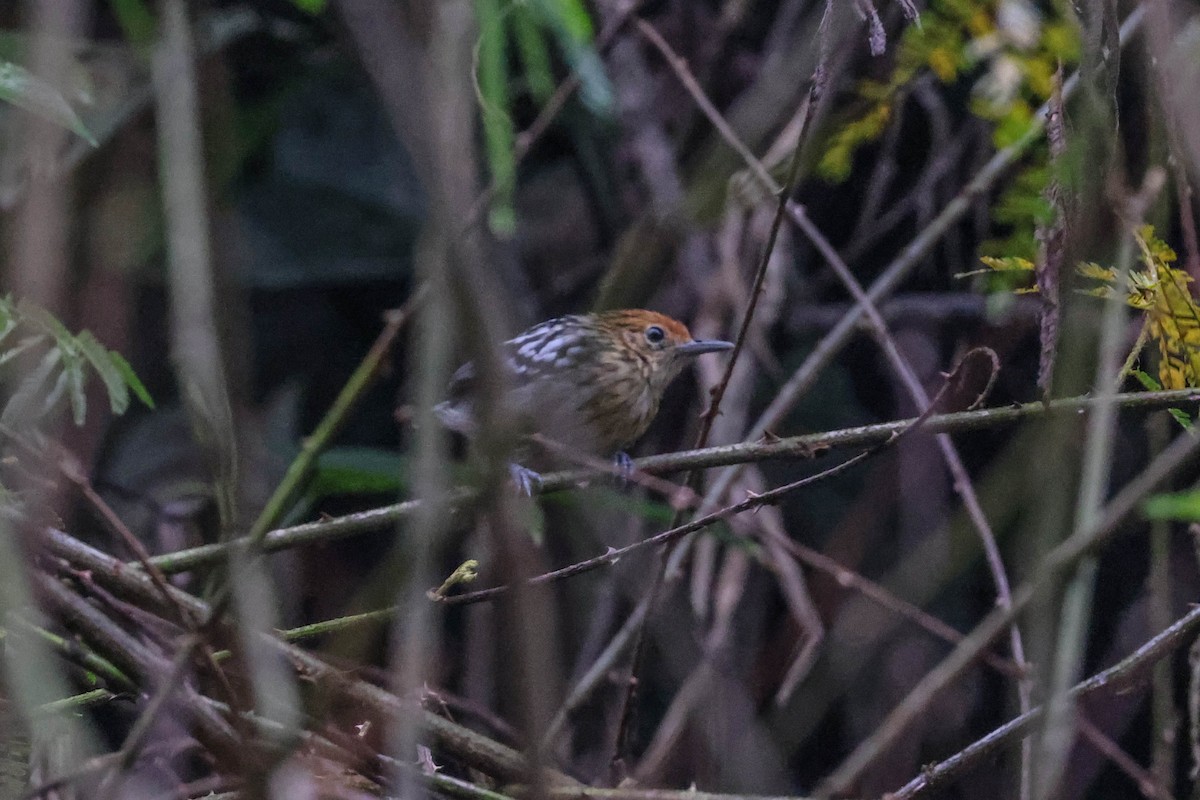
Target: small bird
[590,382]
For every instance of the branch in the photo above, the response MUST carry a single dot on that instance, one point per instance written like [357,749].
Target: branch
[771,449]
[471,748]
[1063,557]
[1116,678]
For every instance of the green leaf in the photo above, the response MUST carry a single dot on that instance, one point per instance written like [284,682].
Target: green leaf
[535,56]
[35,315]
[498,130]
[135,19]
[1181,416]
[131,379]
[21,88]
[1147,381]
[1008,264]
[19,411]
[1090,269]
[1180,506]
[357,470]
[573,29]
[574,18]
[102,361]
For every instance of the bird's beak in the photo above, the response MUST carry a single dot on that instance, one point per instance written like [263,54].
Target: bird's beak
[695,348]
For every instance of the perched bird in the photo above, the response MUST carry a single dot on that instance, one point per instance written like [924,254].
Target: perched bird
[590,382]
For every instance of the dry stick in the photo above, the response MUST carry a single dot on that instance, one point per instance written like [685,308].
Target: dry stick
[629,705]
[1058,729]
[1116,678]
[1146,782]
[849,579]
[753,501]
[920,397]
[473,749]
[665,537]
[634,793]
[1056,562]
[137,659]
[136,738]
[961,478]
[679,496]
[597,672]
[794,447]
[71,467]
[865,305]
[839,336]
[931,624]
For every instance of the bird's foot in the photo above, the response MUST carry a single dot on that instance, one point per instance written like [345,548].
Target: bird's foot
[624,467]
[526,480]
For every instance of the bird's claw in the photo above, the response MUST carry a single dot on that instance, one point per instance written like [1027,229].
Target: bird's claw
[526,480]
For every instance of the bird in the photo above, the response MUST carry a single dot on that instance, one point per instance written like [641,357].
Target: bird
[592,383]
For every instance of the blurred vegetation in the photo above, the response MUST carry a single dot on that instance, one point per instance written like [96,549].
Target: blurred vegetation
[613,154]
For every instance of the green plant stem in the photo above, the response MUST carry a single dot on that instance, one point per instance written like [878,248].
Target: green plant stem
[82,655]
[299,634]
[359,382]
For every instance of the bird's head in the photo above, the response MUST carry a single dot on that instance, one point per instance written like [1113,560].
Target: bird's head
[659,345]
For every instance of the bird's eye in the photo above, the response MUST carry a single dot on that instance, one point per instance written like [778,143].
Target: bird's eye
[655,334]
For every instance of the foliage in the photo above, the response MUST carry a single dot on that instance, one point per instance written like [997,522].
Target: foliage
[533,24]
[24,90]
[1158,289]
[1004,53]
[1161,291]
[31,335]
[1178,506]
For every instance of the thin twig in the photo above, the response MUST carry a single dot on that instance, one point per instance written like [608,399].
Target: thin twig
[472,748]
[751,502]
[717,393]
[1058,728]
[1114,679]
[961,478]
[665,537]
[899,268]
[790,448]
[1063,557]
